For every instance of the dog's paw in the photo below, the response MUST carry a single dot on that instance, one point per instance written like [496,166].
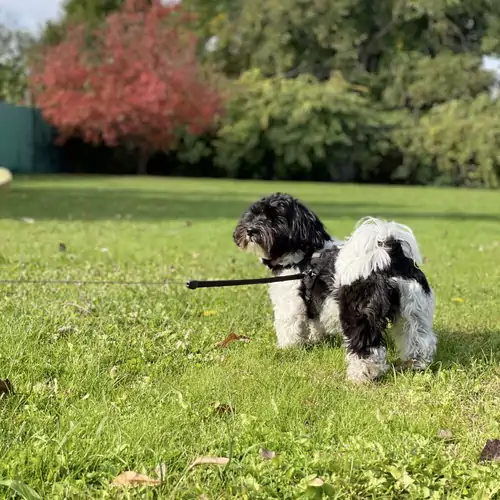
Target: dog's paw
[361,370]
[365,376]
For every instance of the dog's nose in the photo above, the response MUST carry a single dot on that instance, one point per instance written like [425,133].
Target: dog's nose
[251,232]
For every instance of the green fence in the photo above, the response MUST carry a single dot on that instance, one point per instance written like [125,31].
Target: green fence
[27,141]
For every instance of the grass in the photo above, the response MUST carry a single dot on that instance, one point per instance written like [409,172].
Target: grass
[109,379]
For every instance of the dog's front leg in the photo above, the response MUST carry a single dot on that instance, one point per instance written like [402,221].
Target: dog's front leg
[291,330]
[290,315]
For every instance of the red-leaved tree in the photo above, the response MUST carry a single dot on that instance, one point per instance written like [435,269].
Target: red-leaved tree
[135,81]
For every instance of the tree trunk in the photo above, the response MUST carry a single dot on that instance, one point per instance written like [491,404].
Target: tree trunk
[142,162]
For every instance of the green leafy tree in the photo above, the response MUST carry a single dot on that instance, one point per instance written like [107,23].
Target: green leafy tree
[14,49]
[419,83]
[457,142]
[358,37]
[88,12]
[302,128]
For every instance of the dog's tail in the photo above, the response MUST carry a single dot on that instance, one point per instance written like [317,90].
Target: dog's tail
[369,249]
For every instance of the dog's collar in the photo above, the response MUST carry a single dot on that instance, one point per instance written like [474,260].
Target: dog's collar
[308,261]
[290,263]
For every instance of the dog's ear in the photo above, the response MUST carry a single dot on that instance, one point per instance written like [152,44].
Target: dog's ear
[307,229]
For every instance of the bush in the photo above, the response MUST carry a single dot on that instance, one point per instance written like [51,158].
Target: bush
[457,143]
[302,129]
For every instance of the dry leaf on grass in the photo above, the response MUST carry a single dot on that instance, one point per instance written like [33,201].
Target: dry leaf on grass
[491,451]
[131,479]
[6,387]
[232,337]
[458,300]
[445,434]
[267,454]
[222,408]
[317,482]
[209,461]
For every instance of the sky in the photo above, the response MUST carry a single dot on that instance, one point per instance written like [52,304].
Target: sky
[31,14]
[28,14]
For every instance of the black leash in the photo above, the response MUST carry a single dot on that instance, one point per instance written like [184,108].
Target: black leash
[194,284]
[191,284]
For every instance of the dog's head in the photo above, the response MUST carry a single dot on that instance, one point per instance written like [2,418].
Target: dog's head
[279,225]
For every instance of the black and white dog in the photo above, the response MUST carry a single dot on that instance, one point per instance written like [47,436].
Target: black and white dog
[353,287]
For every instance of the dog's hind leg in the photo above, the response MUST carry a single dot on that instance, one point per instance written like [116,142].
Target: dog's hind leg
[412,332]
[364,309]
[366,360]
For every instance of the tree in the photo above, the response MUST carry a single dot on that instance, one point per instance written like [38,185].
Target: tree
[134,81]
[419,83]
[88,12]
[14,47]
[412,56]
[357,37]
[286,128]
[457,142]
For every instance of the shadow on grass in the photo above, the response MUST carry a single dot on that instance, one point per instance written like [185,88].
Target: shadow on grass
[467,348]
[85,203]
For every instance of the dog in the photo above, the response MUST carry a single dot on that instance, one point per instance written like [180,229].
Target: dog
[354,288]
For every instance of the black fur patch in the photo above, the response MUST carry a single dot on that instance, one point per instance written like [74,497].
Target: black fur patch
[366,307]
[318,284]
[403,267]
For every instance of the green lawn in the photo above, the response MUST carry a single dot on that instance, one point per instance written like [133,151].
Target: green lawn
[110,379]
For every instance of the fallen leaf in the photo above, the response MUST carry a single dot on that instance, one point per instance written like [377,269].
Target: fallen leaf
[231,338]
[267,454]
[203,497]
[195,255]
[459,300]
[209,313]
[66,330]
[222,408]
[132,479]
[491,451]
[210,461]
[28,220]
[445,434]
[317,482]
[6,387]
[113,371]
